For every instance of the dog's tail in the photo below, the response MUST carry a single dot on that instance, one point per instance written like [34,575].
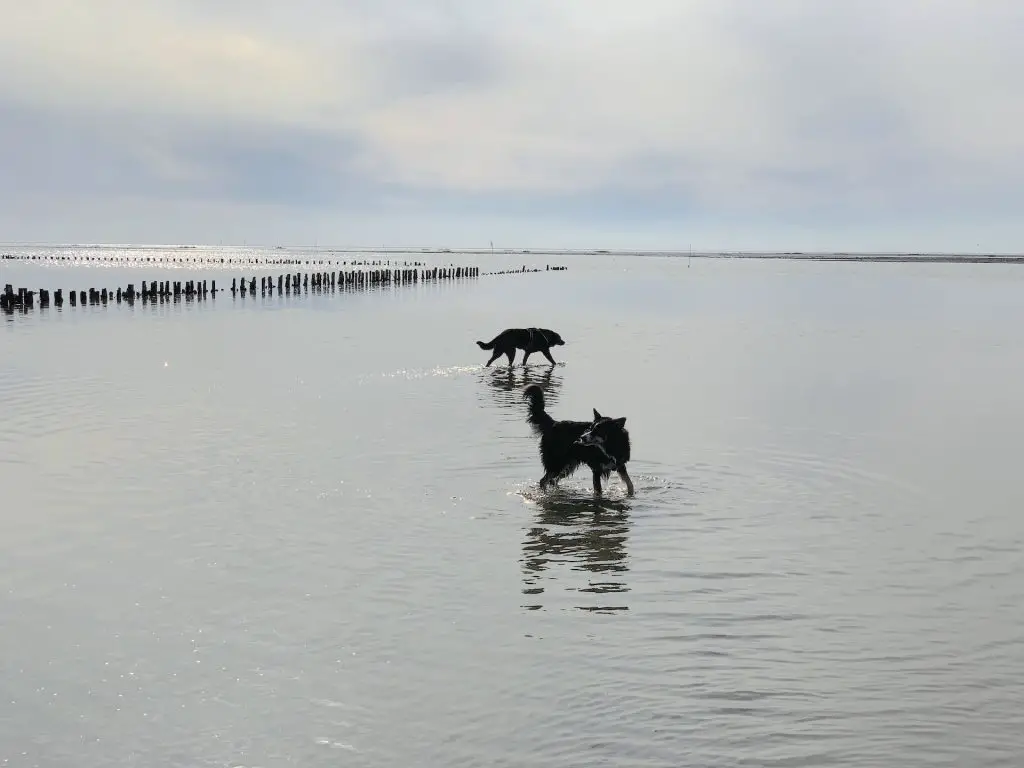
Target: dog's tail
[536,415]
[486,344]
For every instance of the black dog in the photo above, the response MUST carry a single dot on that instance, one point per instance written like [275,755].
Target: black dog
[601,444]
[529,340]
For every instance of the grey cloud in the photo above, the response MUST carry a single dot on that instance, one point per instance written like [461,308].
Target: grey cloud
[64,155]
[416,67]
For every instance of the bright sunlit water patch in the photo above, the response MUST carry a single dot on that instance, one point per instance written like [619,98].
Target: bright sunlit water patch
[445,371]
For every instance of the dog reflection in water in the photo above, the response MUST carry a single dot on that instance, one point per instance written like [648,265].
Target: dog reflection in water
[504,386]
[588,535]
[514,379]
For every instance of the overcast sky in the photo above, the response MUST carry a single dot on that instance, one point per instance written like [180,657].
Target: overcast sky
[739,124]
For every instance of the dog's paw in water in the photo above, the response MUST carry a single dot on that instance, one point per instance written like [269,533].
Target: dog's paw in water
[572,501]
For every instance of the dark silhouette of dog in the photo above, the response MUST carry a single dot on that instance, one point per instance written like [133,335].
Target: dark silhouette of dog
[601,444]
[529,340]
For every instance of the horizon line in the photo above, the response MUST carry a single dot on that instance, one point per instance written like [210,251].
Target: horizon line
[543,250]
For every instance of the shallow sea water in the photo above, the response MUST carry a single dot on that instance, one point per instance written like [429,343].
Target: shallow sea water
[307,531]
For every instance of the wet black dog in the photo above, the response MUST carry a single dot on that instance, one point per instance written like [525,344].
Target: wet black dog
[601,444]
[529,340]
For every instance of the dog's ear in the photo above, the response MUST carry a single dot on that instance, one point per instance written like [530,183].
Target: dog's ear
[620,422]
[597,416]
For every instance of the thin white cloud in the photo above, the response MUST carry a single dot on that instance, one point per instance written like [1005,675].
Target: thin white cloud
[136,57]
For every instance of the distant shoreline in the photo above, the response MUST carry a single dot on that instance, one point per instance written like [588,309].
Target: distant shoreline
[841,256]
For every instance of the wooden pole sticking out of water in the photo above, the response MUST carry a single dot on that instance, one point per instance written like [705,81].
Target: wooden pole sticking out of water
[382,275]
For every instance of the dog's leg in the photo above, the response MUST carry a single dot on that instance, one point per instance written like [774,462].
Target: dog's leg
[597,483]
[548,356]
[495,356]
[544,481]
[624,475]
[526,356]
[511,355]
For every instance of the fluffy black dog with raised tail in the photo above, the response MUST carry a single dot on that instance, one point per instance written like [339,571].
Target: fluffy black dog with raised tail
[601,444]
